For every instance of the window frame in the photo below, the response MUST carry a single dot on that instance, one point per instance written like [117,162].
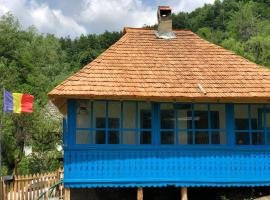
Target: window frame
[250,131]
[121,129]
[193,130]
[229,130]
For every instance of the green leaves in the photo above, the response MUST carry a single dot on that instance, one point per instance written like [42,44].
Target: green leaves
[34,63]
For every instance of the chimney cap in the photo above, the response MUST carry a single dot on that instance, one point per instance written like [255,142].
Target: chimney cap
[164,8]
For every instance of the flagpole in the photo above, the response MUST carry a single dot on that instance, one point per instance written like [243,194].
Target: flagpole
[1,129]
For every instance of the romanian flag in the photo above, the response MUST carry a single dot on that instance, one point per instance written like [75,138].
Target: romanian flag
[18,102]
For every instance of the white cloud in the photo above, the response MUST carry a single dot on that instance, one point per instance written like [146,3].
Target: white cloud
[47,20]
[113,15]
[69,17]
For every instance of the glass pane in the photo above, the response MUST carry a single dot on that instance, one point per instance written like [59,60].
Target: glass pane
[201,116]
[99,114]
[113,137]
[114,122]
[83,113]
[167,117]
[183,137]
[114,113]
[83,137]
[145,115]
[129,137]
[257,115]
[258,138]
[268,137]
[241,117]
[167,137]
[267,117]
[218,137]
[242,138]
[145,137]
[201,137]
[190,137]
[99,137]
[218,116]
[129,114]
[184,115]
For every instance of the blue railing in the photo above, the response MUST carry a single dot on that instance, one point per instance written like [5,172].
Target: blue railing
[162,166]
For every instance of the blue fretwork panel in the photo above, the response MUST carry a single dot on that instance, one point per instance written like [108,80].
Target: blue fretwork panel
[162,167]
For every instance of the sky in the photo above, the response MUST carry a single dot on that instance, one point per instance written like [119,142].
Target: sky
[75,17]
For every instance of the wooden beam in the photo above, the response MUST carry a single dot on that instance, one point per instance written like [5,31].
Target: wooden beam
[140,194]
[67,194]
[184,193]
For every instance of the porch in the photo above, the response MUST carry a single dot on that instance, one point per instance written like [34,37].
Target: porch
[140,144]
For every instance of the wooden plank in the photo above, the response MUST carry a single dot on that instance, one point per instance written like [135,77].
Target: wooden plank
[1,188]
[46,186]
[140,194]
[18,187]
[37,186]
[22,186]
[30,182]
[26,187]
[184,193]
[33,189]
[4,190]
[15,188]
[10,191]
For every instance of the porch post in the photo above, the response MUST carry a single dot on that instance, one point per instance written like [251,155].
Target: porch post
[67,194]
[140,193]
[184,193]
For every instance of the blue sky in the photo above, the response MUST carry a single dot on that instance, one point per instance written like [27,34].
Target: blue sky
[75,17]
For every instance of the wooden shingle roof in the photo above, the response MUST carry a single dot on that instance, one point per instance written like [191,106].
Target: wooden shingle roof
[141,66]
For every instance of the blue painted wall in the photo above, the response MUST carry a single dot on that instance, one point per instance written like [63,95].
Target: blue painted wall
[162,165]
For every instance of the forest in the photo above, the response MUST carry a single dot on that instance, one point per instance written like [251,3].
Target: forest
[32,62]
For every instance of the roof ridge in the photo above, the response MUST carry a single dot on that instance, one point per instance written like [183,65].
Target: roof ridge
[127,29]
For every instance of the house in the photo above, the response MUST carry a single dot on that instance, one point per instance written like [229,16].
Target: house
[166,108]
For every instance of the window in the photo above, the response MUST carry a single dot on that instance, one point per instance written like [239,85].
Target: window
[99,115]
[129,122]
[250,124]
[145,122]
[218,124]
[184,123]
[113,122]
[167,124]
[83,110]
[114,115]
[201,123]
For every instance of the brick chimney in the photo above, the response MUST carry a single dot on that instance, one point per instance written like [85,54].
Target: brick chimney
[164,30]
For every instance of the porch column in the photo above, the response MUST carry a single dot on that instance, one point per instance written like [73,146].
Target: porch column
[140,194]
[184,193]
[67,194]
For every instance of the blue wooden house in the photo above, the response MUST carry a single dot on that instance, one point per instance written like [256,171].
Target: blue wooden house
[166,108]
